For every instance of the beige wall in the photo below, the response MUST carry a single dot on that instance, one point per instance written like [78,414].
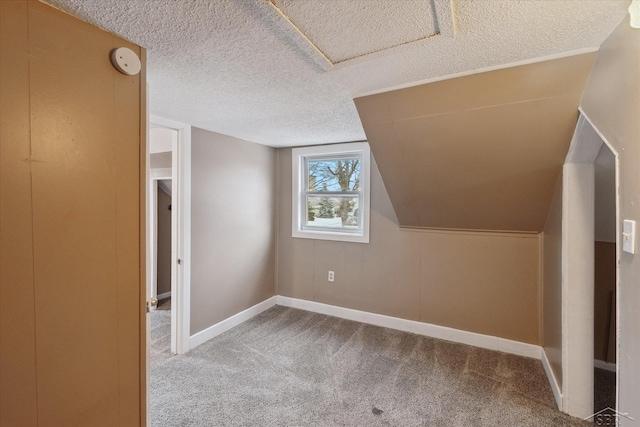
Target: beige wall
[71,313]
[552,284]
[164,242]
[232,225]
[612,103]
[478,152]
[479,282]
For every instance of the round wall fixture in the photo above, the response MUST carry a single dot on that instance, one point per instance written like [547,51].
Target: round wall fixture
[126,61]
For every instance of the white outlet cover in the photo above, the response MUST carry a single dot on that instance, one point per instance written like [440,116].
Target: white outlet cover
[629,236]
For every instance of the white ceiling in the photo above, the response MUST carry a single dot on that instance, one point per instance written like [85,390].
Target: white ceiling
[381,24]
[285,72]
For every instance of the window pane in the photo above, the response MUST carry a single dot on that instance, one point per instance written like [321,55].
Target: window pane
[333,212]
[333,174]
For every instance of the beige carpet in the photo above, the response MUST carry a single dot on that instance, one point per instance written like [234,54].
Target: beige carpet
[289,367]
[160,342]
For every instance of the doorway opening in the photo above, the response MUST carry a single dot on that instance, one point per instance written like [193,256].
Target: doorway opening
[604,325]
[590,230]
[163,236]
[168,231]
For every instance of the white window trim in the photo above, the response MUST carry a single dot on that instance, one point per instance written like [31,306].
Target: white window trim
[297,167]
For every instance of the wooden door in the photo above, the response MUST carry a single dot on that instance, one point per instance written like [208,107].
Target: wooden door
[72,321]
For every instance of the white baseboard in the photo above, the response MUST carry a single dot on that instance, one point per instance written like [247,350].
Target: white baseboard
[557,393]
[604,365]
[223,326]
[164,295]
[420,328]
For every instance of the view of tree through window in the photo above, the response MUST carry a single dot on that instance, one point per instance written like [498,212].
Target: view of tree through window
[330,192]
[339,180]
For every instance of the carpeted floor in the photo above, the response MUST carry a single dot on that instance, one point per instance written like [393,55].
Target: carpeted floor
[160,343]
[289,367]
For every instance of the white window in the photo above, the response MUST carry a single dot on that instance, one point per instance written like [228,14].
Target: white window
[331,192]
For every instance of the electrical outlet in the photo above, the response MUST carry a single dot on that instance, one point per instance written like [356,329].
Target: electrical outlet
[331,277]
[629,236]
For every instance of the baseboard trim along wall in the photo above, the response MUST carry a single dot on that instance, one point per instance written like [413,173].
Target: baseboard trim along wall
[427,329]
[604,365]
[430,330]
[223,326]
[557,393]
[421,328]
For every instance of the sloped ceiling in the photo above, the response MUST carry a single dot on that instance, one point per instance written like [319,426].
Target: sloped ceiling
[285,72]
[480,152]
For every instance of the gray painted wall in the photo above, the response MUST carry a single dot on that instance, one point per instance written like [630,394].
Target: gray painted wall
[612,103]
[552,284]
[479,282]
[233,226]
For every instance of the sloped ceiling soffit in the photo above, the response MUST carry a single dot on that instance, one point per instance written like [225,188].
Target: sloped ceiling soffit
[481,152]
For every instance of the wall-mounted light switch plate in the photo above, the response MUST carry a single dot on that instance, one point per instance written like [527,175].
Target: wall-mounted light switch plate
[629,236]
[331,277]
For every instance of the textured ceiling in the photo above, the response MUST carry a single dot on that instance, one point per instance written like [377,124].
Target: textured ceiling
[240,67]
[360,27]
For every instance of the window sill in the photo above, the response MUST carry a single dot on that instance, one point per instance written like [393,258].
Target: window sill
[327,235]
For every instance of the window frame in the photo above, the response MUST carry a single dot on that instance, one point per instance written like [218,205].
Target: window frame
[299,191]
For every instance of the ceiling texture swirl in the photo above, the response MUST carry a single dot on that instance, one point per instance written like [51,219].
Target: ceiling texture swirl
[285,72]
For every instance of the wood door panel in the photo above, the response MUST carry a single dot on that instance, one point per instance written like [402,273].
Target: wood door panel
[83,181]
[17,315]
[72,116]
